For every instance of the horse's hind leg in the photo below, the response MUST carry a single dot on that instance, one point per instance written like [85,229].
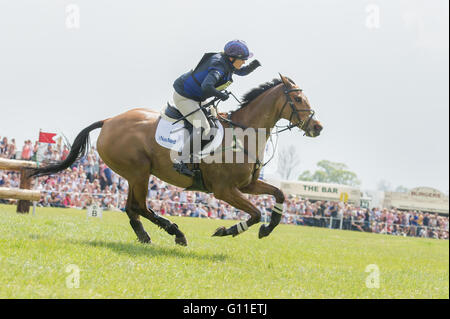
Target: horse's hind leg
[132,209]
[140,194]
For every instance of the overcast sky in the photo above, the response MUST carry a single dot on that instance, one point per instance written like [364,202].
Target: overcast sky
[376,72]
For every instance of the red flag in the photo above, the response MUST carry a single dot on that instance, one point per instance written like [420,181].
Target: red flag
[46,137]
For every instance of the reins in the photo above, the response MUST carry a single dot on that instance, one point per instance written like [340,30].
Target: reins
[300,124]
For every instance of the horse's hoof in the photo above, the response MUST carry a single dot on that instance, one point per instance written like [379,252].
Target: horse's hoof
[182,241]
[221,231]
[263,231]
[145,239]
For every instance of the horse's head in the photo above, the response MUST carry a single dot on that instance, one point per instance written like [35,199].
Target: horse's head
[296,109]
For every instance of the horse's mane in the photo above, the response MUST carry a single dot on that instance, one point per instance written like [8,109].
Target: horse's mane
[254,93]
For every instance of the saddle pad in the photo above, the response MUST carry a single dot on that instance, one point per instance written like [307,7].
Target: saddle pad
[171,136]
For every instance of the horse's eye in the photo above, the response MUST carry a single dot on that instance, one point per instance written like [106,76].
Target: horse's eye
[298,99]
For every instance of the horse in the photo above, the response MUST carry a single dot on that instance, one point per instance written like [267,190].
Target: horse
[127,145]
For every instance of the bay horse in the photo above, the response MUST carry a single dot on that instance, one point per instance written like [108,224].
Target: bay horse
[127,145]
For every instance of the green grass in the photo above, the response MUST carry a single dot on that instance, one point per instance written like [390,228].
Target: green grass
[293,262]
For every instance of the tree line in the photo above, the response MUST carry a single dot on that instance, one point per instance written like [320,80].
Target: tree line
[327,172]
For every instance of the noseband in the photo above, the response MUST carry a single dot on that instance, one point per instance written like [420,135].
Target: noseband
[295,112]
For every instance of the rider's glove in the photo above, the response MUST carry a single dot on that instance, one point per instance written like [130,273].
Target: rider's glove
[251,67]
[254,64]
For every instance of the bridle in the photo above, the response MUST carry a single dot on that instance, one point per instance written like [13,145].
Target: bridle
[295,112]
[301,124]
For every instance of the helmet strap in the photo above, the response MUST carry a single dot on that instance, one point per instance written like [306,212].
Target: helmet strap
[233,59]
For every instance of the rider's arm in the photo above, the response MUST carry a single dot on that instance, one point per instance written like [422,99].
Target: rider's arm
[208,84]
[245,70]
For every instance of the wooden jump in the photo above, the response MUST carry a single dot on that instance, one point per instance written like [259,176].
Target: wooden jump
[21,194]
[15,165]
[24,194]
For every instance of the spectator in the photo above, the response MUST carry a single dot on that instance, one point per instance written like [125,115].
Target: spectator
[4,147]
[12,149]
[90,180]
[26,151]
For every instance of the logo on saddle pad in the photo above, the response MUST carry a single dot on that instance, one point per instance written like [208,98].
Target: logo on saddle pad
[166,139]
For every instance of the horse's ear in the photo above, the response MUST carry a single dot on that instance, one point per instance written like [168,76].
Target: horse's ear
[285,80]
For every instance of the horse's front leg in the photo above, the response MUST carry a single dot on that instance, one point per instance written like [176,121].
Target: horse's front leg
[235,198]
[259,187]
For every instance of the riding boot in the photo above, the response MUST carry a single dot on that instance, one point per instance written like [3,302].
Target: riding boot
[182,168]
[187,154]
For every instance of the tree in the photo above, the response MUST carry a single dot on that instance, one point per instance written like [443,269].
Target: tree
[331,172]
[384,186]
[288,161]
[401,189]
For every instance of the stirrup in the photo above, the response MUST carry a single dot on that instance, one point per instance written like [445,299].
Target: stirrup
[183,169]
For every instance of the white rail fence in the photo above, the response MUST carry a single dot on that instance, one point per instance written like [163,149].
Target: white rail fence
[342,223]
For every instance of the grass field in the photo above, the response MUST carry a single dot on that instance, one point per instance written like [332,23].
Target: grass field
[293,262]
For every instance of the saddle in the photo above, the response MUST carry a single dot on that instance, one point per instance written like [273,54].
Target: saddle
[172,114]
[168,135]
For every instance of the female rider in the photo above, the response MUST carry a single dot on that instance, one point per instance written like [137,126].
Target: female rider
[212,75]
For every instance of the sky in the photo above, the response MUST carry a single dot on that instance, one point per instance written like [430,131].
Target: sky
[375,72]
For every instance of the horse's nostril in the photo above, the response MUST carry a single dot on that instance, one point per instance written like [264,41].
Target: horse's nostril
[318,127]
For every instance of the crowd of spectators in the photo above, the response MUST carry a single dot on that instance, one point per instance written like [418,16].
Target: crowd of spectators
[90,180]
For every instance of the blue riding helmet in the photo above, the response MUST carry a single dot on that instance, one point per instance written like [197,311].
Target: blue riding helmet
[237,49]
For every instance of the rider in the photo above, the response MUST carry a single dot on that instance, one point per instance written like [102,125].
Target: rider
[212,75]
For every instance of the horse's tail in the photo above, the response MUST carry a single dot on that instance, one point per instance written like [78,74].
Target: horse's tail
[77,151]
